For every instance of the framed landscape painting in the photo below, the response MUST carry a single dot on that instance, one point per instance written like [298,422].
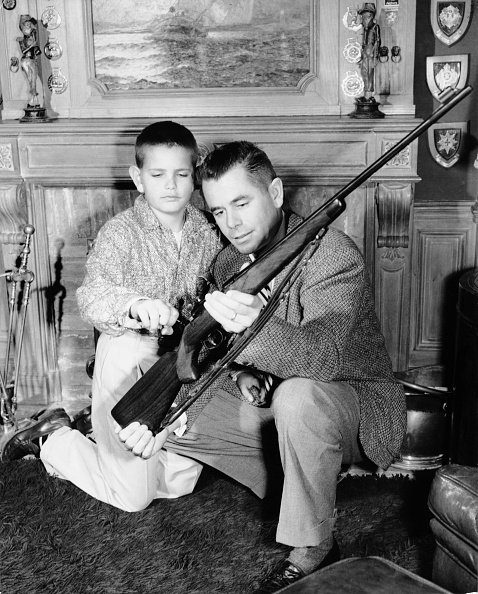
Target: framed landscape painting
[200,43]
[203,57]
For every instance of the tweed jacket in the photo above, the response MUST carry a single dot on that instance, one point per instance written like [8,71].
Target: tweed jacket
[327,330]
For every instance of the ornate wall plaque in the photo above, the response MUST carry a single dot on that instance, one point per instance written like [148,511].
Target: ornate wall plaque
[52,49]
[446,72]
[57,82]
[50,18]
[352,85]
[352,51]
[446,140]
[450,19]
[351,19]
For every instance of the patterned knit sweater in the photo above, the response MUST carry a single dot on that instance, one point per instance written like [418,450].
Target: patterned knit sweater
[134,257]
[327,330]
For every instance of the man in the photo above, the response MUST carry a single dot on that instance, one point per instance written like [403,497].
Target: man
[335,400]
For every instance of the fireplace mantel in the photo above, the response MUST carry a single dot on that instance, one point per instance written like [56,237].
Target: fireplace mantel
[315,150]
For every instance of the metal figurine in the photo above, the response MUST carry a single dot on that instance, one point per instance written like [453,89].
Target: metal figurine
[29,64]
[8,397]
[367,106]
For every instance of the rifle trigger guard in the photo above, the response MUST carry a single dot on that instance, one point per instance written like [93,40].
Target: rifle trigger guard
[215,339]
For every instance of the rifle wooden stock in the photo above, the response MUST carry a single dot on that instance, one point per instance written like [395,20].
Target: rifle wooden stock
[151,397]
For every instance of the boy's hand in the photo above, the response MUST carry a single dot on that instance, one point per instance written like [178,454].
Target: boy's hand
[153,314]
[141,441]
[235,311]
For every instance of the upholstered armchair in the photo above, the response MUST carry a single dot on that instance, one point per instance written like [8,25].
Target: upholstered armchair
[453,501]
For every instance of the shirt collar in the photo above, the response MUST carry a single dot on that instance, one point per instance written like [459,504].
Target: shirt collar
[147,219]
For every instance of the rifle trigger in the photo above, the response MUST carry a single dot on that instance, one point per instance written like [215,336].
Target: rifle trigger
[215,339]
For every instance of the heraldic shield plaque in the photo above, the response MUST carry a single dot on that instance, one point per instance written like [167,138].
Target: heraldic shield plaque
[450,20]
[446,141]
[446,72]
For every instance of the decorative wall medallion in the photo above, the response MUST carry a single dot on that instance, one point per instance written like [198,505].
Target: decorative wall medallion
[390,17]
[446,72]
[53,49]
[14,64]
[9,4]
[450,19]
[403,159]
[6,157]
[396,53]
[57,82]
[446,140]
[352,20]
[50,18]
[352,51]
[352,85]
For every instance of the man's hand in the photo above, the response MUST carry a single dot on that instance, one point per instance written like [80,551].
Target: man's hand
[235,311]
[252,387]
[154,313]
[141,441]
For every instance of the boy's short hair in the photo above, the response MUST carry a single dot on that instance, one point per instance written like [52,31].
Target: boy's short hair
[234,154]
[168,133]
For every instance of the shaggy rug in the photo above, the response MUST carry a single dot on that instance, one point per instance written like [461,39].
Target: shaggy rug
[55,538]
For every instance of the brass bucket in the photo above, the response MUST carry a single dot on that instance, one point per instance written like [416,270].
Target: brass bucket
[425,445]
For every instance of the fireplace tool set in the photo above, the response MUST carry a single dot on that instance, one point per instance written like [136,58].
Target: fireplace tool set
[20,281]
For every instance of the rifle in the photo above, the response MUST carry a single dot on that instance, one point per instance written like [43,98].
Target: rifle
[151,397]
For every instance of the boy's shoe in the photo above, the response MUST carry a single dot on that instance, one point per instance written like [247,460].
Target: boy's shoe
[82,421]
[25,441]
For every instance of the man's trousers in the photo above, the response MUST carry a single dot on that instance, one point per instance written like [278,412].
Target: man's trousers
[314,425]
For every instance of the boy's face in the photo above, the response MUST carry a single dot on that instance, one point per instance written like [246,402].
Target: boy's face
[166,179]
[248,214]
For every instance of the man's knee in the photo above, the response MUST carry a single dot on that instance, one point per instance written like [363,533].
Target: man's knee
[299,401]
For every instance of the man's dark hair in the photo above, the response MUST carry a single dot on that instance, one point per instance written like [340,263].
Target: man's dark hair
[168,133]
[234,154]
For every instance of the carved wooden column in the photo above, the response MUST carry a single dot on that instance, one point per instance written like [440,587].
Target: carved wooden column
[393,267]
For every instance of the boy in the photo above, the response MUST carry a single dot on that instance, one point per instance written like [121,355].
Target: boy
[146,269]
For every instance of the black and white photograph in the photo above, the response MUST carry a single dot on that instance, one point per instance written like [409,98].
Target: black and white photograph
[238,297]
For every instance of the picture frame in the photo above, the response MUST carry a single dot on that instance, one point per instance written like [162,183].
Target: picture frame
[316,93]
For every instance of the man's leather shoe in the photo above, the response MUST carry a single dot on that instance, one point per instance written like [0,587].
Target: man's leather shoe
[287,573]
[22,442]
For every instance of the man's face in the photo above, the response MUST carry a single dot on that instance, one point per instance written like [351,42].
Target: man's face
[166,178]
[247,213]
